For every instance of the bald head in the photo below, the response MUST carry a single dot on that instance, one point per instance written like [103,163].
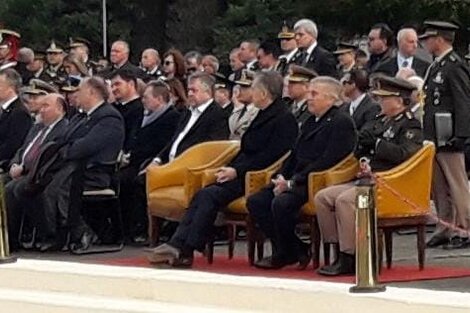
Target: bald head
[150,59]
[52,108]
[119,52]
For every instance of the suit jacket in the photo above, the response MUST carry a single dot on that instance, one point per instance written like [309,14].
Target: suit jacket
[390,66]
[132,112]
[301,114]
[366,111]
[137,71]
[152,138]
[375,60]
[211,125]
[53,135]
[240,120]
[321,145]
[271,134]
[320,60]
[228,110]
[95,142]
[15,123]
[447,89]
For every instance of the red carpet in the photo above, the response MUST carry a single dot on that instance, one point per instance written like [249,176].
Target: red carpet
[239,266]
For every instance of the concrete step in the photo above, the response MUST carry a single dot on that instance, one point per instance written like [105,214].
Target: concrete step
[67,287]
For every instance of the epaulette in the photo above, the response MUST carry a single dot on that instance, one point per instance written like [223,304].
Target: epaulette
[398,117]
[409,115]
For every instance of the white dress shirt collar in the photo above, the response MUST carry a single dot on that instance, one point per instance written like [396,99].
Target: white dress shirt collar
[355,103]
[7,103]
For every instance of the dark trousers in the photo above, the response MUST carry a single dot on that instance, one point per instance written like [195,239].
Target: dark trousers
[133,201]
[277,217]
[197,224]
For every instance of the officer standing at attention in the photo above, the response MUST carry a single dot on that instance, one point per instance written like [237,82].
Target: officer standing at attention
[446,113]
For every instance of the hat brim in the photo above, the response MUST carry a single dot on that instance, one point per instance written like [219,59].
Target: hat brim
[294,79]
[385,93]
[343,51]
[69,89]
[286,36]
[33,91]
[10,32]
[54,51]
[427,35]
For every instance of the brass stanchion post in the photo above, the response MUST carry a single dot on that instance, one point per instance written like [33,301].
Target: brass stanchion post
[366,239]
[4,246]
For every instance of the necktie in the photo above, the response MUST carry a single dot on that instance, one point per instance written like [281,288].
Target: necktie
[33,151]
[352,108]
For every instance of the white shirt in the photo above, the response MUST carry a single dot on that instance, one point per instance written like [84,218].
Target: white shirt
[311,48]
[195,114]
[289,55]
[7,103]
[93,109]
[401,59]
[250,64]
[130,100]
[355,103]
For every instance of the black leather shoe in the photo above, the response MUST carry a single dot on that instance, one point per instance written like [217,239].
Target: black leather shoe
[182,262]
[274,263]
[86,241]
[437,241]
[344,265]
[50,246]
[457,243]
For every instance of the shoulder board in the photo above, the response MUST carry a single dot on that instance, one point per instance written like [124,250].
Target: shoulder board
[454,57]
[409,115]
[399,116]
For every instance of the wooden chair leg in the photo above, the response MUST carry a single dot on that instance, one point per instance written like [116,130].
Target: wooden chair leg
[154,230]
[315,240]
[231,233]
[250,239]
[421,242]
[210,251]
[388,247]
[259,245]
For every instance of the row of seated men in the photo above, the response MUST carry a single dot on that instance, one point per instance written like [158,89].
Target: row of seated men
[204,121]
[324,139]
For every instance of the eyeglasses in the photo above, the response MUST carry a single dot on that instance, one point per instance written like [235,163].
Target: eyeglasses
[168,63]
[191,69]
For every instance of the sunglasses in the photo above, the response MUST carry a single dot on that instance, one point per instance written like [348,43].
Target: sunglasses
[168,62]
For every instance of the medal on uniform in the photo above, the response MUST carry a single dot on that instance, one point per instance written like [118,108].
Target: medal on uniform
[389,134]
[438,79]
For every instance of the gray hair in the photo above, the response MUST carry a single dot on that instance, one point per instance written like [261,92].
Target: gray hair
[26,55]
[127,49]
[308,25]
[270,81]
[207,81]
[193,55]
[97,84]
[213,60]
[332,85]
[12,78]
[402,33]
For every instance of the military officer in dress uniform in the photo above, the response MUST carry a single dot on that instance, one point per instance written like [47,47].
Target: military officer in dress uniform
[447,109]
[9,45]
[390,139]
[346,54]
[289,46]
[80,47]
[55,71]
[298,82]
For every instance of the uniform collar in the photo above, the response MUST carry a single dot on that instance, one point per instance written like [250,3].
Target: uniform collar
[7,103]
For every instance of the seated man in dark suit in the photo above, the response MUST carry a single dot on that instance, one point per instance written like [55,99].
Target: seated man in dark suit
[128,103]
[326,138]
[90,147]
[406,59]
[204,121]
[15,120]
[362,107]
[270,135]
[52,126]
[119,57]
[154,133]
[393,137]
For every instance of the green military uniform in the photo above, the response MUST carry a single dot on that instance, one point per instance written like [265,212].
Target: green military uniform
[447,90]
[396,139]
[55,74]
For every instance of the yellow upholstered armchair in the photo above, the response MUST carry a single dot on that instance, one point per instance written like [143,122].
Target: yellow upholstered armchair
[171,187]
[402,197]
[236,212]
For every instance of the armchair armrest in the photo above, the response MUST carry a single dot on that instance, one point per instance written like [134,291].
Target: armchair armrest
[341,176]
[164,176]
[256,180]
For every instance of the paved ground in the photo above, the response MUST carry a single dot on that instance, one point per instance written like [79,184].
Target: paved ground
[405,253]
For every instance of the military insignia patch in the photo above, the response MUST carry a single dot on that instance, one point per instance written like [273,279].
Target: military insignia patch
[409,134]
[438,79]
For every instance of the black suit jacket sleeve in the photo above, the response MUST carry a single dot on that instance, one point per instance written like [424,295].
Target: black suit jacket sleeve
[20,124]
[458,79]
[108,129]
[280,141]
[341,142]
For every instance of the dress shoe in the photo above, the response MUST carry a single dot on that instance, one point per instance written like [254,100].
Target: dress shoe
[437,241]
[50,246]
[164,253]
[86,241]
[344,265]
[457,243]
[182,262]
[274,262]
